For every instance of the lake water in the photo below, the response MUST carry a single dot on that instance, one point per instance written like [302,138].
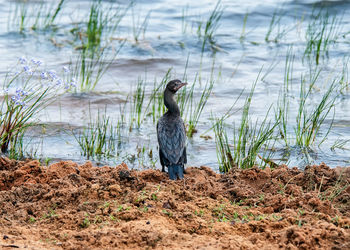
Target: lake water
[168,38]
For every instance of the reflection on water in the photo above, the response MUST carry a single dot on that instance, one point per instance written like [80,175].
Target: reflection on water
[239,50]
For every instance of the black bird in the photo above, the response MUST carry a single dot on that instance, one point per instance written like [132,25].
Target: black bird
[171,134]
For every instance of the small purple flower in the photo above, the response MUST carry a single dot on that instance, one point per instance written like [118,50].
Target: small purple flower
[17,99]
[22,60]
[66,69]
[20,92]
[28,70]
[23,104]
[52,74]
[73,83]
[43,75]
[59,82]
[36,62]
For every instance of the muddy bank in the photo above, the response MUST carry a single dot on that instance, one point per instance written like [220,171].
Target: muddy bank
[71,206]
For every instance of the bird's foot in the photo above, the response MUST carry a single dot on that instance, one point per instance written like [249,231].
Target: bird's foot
[176,171]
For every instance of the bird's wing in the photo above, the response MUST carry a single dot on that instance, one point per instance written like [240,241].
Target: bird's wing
[171,139]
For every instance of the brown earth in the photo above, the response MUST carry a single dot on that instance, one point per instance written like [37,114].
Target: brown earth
[67,206]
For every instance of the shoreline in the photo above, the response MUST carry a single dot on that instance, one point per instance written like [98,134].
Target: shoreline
[71,206]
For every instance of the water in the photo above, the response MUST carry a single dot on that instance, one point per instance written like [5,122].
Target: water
[168,41]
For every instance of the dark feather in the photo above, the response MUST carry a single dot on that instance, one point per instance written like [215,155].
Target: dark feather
[172,139]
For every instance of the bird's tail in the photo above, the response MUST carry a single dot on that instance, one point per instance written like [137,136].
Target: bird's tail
[176,171]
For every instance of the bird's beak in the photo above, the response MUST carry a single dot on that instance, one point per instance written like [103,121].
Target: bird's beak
[180,85]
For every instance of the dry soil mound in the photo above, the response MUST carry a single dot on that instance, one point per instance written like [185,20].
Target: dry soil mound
[67,206]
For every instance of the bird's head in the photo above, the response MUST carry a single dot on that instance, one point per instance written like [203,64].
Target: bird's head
[175,85]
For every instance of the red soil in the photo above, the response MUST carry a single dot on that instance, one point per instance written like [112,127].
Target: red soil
[67,206]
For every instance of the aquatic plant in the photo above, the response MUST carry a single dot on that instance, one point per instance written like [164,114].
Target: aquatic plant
[91,65]
[282,110]
[89,68]
[35,16]
[101,25]
[322,31]
[223,149]
[248,139]
[309,120]
[156,101]
[138,99]
[191,108]
[243,33]
[340,144]
[95,55]
[183,19]
[97,138]
[195,109]
[206,31]
[276,28]
[26,93]
[139,28]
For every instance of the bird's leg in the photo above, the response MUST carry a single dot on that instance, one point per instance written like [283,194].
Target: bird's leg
[172,171]
[163,169]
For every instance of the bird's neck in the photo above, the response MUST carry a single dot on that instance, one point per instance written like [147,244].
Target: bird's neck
[170,103]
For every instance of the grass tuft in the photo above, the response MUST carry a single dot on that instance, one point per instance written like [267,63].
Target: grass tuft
[98,138]
[35,16]
[247,141]
[322,31]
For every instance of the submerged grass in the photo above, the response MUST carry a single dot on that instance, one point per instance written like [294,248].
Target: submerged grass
[102,24]
[275,28]
[96,54]
[283,103]
[90,66]
[139,27]
[309,122]
[98,138]
[195,109]
[323,30]
[189,107]
[248,140]
[206,31]
[138,100]
[311,114]
[156,100]
[243,33]
[36,16]
[340,144]
[223,149]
